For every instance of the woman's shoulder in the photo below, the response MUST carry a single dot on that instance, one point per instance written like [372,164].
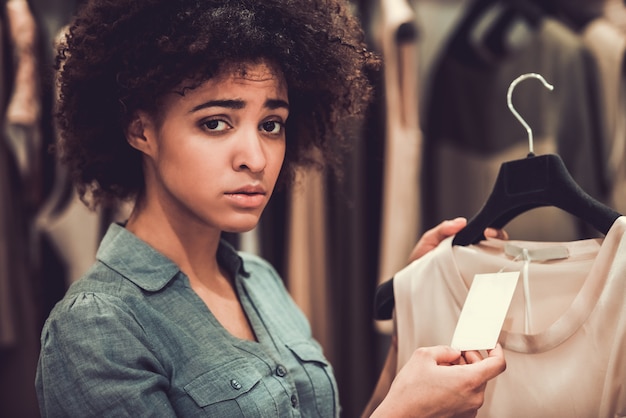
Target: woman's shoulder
[100,291]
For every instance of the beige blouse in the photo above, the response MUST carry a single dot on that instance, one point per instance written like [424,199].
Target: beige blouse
[572,360]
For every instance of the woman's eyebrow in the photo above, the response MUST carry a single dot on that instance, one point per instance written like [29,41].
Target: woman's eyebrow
[240,104]
[276,104]
[230,104]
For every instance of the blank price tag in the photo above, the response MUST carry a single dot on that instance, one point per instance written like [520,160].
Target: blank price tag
[484,311]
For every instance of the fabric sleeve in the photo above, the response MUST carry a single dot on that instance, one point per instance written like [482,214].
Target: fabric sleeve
[96,361]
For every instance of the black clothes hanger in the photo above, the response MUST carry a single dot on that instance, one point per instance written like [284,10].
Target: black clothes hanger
[532,182]
[529,183]
[521,185]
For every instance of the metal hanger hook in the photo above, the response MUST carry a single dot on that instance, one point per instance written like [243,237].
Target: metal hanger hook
[509,94]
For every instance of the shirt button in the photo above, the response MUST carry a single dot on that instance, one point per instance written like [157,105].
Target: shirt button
[281,371]
[235,384]
[294,401]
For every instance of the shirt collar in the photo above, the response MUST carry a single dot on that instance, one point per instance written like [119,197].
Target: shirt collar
[147,268]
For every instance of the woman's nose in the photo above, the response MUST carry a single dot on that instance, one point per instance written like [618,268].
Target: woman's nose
[250,154]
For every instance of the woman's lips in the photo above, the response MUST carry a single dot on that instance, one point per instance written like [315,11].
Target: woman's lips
[249,197]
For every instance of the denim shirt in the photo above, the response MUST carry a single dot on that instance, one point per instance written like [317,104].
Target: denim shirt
[132,339]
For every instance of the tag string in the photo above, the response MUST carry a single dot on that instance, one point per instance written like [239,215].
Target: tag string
[526,282]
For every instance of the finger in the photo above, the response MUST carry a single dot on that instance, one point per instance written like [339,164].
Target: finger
[492,365]
[433,237]
[496,233]
[497,351]
[443,354]
[447,228]
[472,356]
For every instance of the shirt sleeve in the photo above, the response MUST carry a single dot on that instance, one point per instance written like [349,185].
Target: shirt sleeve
[96,361]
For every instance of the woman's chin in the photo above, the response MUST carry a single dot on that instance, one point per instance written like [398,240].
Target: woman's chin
[241,227]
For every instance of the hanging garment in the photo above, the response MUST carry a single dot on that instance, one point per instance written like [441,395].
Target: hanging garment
[400,219]
[564,338]
[7,321]
[577,13]
[74,233]
[607,44]
[22,120]
[307,275]
[615,12]
[468,127]
[8,305]
[21,189]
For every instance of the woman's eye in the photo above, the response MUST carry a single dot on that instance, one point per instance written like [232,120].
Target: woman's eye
[272,127]
[216,125]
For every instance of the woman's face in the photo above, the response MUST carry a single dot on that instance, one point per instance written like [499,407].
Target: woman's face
[216,152]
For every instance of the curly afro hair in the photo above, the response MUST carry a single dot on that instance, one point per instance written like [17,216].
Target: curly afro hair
[120,56]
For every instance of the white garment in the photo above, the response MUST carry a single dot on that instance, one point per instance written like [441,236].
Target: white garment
[572,363]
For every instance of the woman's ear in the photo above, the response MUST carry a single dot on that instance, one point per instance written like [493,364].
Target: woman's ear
[138,134]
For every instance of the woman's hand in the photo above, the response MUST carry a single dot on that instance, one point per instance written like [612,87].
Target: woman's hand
[434,236]
[439,382]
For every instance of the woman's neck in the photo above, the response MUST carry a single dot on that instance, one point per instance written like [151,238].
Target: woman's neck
[191,246]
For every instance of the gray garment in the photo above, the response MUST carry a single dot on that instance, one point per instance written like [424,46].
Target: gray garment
[132,338]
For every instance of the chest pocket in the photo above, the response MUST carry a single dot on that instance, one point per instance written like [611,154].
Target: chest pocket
[321,384]
[233,389]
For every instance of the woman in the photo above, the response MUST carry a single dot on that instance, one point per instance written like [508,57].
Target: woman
[195,110]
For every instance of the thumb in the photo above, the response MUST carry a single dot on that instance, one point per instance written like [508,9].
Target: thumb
[491,366]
